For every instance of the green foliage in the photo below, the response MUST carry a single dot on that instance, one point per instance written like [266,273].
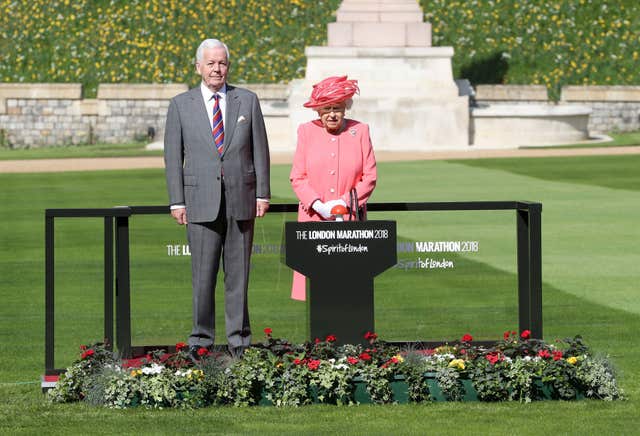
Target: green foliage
[597,379]
[76,382]
[575,42]
[490,380]
[142,41]
[521,376]
[450,384]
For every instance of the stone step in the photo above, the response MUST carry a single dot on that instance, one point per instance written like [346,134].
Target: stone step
[380,16]
[380,4]
[378,34]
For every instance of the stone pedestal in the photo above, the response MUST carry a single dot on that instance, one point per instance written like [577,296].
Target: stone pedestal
[407,92]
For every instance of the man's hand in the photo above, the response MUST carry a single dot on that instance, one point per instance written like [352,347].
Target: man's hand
[180,215]
[262,206]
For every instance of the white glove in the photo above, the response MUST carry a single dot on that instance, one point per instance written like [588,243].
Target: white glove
[323,209]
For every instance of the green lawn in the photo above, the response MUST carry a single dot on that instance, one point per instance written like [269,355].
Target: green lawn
[590,275]
[73,151]
[617,140]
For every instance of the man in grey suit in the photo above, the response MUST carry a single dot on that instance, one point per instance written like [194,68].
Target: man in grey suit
[217,168]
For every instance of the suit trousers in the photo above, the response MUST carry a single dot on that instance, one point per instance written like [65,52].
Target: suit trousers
[232,241]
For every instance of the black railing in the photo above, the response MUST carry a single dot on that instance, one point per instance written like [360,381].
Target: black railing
[529,260]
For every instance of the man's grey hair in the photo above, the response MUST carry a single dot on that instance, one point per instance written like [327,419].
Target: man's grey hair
[210,43]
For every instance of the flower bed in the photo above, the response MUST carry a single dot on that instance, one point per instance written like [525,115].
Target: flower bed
[276,372]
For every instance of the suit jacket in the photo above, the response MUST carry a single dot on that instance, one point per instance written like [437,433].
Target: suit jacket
[194,168]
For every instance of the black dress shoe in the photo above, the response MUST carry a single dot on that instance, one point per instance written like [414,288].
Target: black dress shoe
[193,352]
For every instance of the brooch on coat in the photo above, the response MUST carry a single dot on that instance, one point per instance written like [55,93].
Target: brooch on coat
[353,132]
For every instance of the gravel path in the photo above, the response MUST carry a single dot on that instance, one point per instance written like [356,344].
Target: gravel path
[117,163]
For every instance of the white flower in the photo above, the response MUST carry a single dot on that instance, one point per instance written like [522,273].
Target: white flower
[153,369]
[444,357]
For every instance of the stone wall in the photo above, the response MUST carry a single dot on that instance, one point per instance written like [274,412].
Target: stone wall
[613,108]
[36,115]
[42,114]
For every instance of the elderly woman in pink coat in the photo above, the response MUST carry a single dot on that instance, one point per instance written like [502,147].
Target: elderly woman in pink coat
[333,156]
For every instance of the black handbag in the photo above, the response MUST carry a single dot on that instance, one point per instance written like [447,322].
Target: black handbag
[356,213]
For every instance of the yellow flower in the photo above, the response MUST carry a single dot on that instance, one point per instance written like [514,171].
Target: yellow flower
[457,363]
[399,358]
[572,360]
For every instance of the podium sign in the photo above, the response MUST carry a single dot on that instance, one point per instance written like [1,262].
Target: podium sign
[341,259]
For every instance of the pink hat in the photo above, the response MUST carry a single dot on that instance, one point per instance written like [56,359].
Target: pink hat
[332,90]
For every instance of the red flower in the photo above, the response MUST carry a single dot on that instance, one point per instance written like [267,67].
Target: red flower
[494,358]
[544,354]
[506,335]
[87,353]
[83,347]
[330,338]
[180,346]
[297,361]
[313,364]
[467,338]
[202,351]
[557,355]
[318,341]
[370,336]
[365,356]
[268,331]
[352,360]
[526,334]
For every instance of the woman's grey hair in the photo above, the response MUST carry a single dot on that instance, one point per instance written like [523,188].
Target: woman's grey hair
[210,43]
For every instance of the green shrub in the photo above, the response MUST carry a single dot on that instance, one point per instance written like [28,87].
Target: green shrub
[553,43]
[142,41]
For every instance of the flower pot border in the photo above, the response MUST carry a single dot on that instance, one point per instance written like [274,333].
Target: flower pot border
[278,373]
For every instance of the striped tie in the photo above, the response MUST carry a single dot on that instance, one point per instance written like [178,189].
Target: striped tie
[218,127]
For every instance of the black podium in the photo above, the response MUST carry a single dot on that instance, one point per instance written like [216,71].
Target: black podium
[341,259]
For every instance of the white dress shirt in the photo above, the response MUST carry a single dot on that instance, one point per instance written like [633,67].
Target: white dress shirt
[207,95]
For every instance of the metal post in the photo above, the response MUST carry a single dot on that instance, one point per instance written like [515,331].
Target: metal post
[535,247]
[108,282]
[49,316]
[123,291]
[530,269]
[524,272]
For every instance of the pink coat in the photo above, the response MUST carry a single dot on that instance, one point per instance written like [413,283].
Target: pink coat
[326,167]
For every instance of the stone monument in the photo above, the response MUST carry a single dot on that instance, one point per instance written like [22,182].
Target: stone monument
[408,94]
